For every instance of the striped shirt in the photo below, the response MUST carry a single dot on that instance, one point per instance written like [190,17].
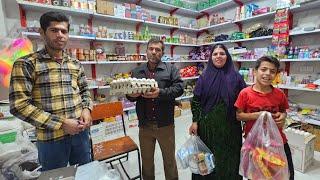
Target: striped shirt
[44,92]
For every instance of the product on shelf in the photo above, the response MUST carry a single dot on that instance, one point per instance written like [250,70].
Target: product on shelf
[281,28]
[41,1]
[168,20]
[105,7]
[132,85]
[82,54]
[188,90]
[200,53]
[257,30]
[303,52]
[221,37]
[237,36]
[189,71]
[216,18]
[247,74]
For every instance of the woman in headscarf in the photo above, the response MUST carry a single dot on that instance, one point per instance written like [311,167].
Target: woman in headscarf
[214,114]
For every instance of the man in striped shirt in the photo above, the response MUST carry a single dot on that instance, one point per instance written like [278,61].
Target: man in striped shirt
[49,90]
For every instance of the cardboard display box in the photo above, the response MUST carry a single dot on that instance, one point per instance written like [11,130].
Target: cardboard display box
[302,149]
[315,130]
[105,7]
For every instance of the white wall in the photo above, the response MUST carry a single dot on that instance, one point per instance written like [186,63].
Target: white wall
[10,17]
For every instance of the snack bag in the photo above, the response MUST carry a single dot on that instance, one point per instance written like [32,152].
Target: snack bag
[262,153]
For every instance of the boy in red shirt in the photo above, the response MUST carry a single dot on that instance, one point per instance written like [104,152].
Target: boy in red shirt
[262,96]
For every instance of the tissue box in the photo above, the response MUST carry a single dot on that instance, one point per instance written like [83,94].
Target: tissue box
[302,148]
[98,132]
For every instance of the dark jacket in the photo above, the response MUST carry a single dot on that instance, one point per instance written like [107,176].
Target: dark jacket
[171,87]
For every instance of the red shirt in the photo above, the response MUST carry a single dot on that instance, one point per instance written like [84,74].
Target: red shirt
[251,101]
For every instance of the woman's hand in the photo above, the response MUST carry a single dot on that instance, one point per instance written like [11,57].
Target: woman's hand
[193,130]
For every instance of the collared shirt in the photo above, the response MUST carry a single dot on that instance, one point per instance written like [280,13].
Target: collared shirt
[44,92]
[150,104]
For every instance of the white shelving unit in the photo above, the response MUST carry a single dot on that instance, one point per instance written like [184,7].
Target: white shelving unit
[257,17]
[283,60]
[301,60]
[301,32]
[31,6]
[75,37]
[253,39]
[218,26]
[168,7]
[163,6]
[297,88]
[187,61]
[129,108]
[307,120]
[184,97]
[190,78]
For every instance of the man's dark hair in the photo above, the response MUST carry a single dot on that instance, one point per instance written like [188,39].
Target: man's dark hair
[48,17]
[269,59]
[156,41]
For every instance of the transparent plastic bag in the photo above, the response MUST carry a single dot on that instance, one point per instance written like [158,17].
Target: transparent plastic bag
[262,153]
[196,155]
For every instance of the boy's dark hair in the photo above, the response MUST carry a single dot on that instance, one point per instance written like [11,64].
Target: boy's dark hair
[269,59]
[51,16]
[156,41]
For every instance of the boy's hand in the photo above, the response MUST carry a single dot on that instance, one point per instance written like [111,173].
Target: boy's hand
[279,118]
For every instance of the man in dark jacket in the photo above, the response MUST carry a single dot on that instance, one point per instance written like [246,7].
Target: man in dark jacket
[155,110]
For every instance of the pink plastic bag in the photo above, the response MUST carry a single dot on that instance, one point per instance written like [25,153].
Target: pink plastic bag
[262,153]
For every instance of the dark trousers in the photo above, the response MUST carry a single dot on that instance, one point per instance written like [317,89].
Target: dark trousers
[289,159]
[74,149]
[148,135]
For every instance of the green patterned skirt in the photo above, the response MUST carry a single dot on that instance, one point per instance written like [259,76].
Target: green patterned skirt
[223,137]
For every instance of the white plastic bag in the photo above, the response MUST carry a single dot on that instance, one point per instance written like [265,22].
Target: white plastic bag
[196,155]
[262,153]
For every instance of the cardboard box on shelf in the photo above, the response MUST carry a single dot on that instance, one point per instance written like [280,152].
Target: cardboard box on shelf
[119,11]
[105,7]
[302,149]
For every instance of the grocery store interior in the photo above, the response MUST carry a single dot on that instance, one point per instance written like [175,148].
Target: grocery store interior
[109,39]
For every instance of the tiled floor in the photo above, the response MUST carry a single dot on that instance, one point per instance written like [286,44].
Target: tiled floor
[181,126]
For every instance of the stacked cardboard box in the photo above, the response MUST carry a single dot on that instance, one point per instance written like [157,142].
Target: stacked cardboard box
[105,7]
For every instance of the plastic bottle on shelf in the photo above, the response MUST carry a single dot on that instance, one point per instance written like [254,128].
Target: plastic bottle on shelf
[245,75]
[296,52]
[306,53]
[250,75]
[301,54]
[290,53]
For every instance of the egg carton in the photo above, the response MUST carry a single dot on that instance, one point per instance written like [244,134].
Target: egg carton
[132,85]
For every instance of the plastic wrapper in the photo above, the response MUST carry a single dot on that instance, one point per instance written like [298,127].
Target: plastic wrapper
[262,153]
[18,159]
[196,155]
